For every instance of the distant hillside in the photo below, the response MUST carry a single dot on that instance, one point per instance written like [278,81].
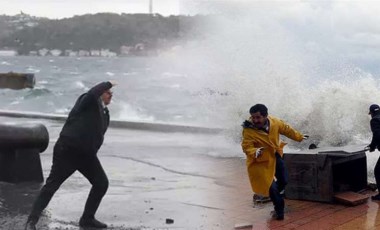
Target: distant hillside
[10,24]
[90,32]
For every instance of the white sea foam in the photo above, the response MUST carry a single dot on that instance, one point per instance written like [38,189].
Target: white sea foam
[130,73]
[259,59]
[124,111]
[33,69]
[175,86]
[15,103]
[80,85]
[62,110]
[172,75]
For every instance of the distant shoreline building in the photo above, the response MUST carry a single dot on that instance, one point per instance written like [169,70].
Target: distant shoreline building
[8,53]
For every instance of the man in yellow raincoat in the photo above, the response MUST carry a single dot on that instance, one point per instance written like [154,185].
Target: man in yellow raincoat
[264,149]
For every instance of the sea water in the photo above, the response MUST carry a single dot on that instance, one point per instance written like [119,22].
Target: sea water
[298,58]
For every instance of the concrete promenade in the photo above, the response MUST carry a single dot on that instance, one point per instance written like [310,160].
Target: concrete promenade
[172,181]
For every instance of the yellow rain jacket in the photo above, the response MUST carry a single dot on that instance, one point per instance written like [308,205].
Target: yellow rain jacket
[261,170]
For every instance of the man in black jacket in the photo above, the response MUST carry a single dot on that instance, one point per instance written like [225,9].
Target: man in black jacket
[374,111]
[76,149]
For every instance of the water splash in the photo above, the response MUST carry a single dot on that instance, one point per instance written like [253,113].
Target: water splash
[125,111]
[259,54]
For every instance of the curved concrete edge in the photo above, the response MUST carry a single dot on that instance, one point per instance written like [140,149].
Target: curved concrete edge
[159,127]
[19,114]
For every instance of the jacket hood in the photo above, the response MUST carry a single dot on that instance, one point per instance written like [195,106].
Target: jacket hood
[247,124]
[376,115]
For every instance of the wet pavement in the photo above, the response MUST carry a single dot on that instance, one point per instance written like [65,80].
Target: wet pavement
[172,181]
[157,181]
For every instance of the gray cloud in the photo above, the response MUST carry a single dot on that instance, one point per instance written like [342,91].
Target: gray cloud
[69,8]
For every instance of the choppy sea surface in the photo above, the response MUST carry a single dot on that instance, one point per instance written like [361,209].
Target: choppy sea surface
[197,89]
[148,88]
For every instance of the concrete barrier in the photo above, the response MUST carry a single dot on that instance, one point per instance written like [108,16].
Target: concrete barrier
[150,126]
[20,148]
[17,80]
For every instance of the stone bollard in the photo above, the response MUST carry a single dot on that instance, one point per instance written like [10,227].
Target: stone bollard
[17,80]
[20,148]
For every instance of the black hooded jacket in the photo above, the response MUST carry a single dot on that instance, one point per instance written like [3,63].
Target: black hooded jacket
[375,128]
[87,121]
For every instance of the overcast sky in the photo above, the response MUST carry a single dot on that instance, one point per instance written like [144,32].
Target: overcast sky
[68,8]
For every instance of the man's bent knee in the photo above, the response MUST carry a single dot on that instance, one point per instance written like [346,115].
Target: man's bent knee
[101,187]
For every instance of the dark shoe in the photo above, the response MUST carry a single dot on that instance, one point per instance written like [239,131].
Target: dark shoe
[277,216]
[280,217]
[260,199]
[30,226]
[377,197]
[372,186]
[91,223]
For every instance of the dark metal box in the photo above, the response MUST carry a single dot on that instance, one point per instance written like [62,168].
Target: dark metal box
[318,174]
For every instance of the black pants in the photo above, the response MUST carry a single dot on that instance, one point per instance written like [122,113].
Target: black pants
[66,160]
[377,174]
[279,185]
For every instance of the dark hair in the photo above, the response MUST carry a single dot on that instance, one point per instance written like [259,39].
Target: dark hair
[259,108]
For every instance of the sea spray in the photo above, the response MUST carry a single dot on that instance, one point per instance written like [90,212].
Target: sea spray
[254,52]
